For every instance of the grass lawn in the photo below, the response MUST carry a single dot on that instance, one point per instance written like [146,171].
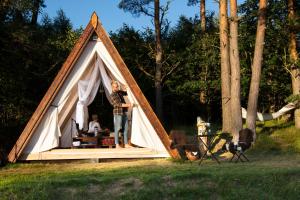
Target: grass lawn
[273,173]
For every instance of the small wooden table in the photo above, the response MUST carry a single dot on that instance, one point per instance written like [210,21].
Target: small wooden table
[97,141]
[88,141]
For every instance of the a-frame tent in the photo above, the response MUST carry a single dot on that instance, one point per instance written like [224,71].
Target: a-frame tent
[39,117]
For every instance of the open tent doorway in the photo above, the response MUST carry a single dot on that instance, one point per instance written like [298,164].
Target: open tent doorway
[102,107]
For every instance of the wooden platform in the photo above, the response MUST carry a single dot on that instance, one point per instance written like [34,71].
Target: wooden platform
[100,153]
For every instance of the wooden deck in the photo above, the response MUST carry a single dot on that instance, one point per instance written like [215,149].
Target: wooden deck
[100,153]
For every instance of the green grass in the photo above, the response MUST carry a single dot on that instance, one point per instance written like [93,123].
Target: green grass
[263,178]
[273,173]
[277,136]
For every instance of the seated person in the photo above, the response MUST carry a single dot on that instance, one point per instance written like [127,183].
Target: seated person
[94,125]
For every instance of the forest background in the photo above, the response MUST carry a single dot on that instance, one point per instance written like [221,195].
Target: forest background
[32,52]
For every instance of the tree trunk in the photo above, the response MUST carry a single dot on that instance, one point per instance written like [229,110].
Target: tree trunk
[158,60]
[236,113]
[202,15]
[295,71]
[35,11]
[225,67]
[256,67]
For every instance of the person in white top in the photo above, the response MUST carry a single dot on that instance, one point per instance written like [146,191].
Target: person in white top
[93,125]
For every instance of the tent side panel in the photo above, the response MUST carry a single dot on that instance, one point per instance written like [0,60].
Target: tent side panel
[135,89]
[49,96]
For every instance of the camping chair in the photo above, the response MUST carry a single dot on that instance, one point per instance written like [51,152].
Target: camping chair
[244,143]
[186,149]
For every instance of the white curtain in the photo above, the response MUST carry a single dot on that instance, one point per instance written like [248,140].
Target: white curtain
[87,90]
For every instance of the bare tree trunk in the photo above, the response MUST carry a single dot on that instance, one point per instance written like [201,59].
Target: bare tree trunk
[256,67]
[202,15]
[225,67]
[236,113]
[158,60]
[294,57]
[35,11]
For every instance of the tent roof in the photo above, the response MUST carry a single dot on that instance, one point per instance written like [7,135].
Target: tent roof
[93,26]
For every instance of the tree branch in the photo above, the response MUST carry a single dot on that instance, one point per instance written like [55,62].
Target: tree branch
[163,12]
[140,67]
[171,71]
[145,11]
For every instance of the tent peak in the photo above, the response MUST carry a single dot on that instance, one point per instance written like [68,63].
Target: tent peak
[94,19]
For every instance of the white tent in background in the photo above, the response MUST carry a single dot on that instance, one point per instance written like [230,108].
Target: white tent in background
[91,62]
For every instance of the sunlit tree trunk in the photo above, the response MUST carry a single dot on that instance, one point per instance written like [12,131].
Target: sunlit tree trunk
[256,67]
[225,67]
[294,57]
[202,15]
[236,113]
[203,93]
[158,60]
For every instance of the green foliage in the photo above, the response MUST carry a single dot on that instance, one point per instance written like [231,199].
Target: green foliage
[193,2]
[293,98]
[275,84]
[197,56]
[199,70]
[137,7]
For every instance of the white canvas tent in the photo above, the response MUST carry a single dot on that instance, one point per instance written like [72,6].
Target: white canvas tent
[75,87]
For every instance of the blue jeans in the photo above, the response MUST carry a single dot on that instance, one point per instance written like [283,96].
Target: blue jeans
[121,121]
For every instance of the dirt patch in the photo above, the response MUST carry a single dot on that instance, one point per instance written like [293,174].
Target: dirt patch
[168,181]
[94,189]
[67,190]
[122,186]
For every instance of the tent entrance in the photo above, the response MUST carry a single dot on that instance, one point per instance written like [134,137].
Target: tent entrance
[93,98]
[103,109]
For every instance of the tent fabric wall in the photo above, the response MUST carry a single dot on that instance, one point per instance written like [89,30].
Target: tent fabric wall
[42,140]
[46,135]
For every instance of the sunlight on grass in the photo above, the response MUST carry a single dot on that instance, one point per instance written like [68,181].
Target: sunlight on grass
[273,173]
[153,179]
[278,136]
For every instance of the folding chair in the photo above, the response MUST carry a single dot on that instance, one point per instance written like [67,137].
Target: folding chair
[187,149]
[244,143]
